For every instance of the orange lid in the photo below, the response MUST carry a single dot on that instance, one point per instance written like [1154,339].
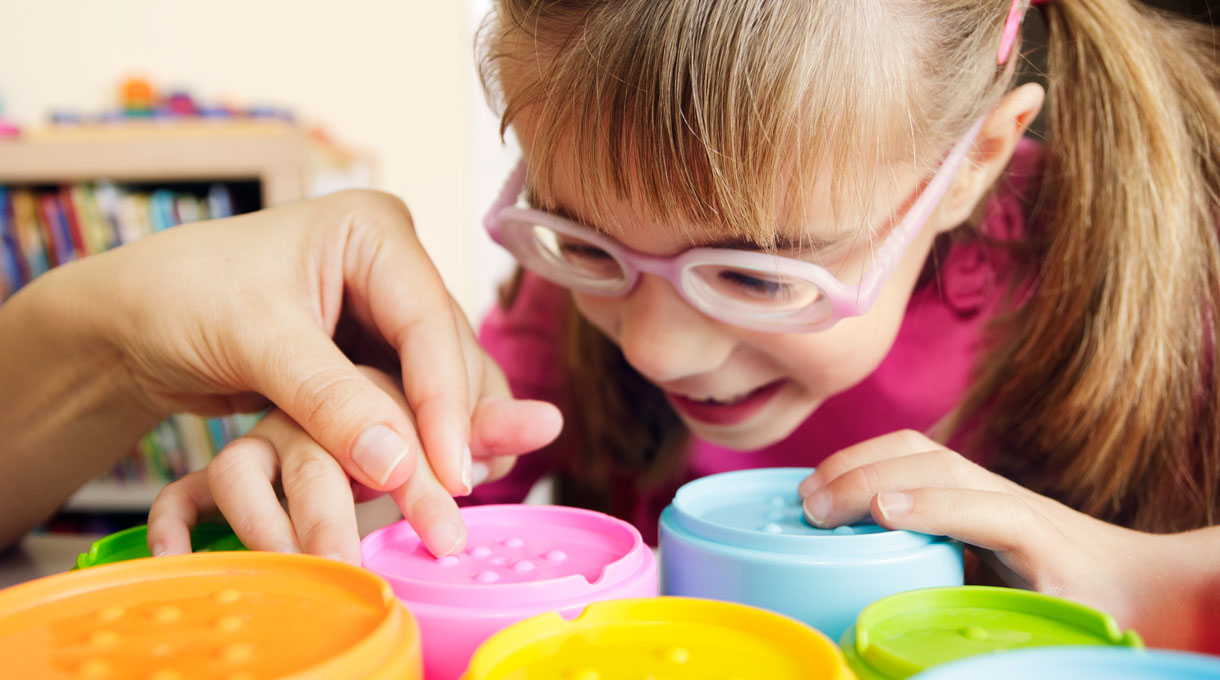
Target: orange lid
[228,616]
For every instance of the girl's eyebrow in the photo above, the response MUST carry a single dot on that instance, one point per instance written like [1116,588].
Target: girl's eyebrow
[782,241]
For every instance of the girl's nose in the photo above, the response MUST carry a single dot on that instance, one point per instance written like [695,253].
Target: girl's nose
[666,339]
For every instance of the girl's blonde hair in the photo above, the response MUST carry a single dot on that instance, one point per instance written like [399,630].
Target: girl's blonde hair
[1099,390]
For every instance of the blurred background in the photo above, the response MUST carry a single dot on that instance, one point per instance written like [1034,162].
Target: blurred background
[123,117]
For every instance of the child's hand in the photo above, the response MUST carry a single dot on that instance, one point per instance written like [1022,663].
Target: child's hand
[908,481]
[321,497]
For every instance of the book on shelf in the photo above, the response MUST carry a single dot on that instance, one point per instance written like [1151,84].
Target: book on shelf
[45,226]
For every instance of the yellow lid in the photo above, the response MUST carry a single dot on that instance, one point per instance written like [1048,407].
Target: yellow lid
[227,616]
[675,638]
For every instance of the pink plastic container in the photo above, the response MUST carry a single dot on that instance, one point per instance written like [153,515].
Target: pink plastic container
[519,561]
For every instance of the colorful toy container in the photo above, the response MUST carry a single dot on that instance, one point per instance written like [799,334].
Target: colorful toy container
[742,537]
[904,634]
[668,637]
[131,544]
[1074,663]
[234,615]
[520,561]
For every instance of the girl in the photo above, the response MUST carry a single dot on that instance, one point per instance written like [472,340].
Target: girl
[802,233]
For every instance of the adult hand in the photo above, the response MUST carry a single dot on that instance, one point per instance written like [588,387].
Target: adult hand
[320,516]
[907,481]
[222,316]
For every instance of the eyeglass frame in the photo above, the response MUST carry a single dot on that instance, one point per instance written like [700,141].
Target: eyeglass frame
[845,301]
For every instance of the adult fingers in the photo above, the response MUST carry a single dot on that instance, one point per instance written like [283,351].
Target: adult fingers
[319,494]
[242,479]
[306,375]
[387,271]
[174,513]
[891,445]
[846,498]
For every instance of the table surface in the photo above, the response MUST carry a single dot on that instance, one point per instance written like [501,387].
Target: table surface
[42,555]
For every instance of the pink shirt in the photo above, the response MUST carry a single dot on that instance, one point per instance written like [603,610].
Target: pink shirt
[921,379]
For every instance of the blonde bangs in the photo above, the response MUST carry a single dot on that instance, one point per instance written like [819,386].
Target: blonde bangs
[706,114]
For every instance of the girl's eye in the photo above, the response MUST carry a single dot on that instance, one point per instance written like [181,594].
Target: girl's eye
[753,286]
[575,250]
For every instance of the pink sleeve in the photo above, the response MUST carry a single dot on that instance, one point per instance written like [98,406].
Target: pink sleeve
[525,340]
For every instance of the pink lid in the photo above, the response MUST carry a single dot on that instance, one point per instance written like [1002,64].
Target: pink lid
[517,556]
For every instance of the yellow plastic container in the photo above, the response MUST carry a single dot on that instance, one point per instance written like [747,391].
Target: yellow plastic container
[228,616]
[676,638]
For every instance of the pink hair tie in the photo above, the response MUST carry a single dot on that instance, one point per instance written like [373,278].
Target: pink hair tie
[1016,15]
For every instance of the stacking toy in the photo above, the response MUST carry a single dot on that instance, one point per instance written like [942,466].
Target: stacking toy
[675,638]
[1073,663]
[904,634]
[520,561]
[234,615]
[131,544]
[742,537]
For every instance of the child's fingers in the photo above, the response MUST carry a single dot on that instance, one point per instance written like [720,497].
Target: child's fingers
[174,513]
[432,512]
[319,496]
[242,479]
[846,498]
[1022,536]
[511,427]
[891,445]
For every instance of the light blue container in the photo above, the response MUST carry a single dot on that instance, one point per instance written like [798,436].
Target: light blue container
[742,537]
[1074,663]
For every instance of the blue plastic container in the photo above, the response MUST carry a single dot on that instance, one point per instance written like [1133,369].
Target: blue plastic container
[742,537]
[1073,663]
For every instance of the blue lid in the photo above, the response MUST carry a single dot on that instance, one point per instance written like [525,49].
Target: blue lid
[761,510]
[1072,663]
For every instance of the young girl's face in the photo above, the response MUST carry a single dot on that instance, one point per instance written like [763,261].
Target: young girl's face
[739,388]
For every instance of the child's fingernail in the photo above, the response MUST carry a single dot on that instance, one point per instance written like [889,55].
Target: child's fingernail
[333,556]
[289,550]
[449,533]
[481,473]
[893,503]
[467,483]
[810,484]
[158,550]
[817,508]
[378,451]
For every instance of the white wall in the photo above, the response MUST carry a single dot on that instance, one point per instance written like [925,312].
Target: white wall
[393,76]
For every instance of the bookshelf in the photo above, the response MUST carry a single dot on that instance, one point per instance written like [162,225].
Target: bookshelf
[110,183]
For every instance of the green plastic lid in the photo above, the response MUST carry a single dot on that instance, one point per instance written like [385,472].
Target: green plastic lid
[131,544]
[903,634]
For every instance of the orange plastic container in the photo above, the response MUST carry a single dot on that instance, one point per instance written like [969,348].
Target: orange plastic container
[228,616]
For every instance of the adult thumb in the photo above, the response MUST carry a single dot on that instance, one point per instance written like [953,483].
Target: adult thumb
[302,371]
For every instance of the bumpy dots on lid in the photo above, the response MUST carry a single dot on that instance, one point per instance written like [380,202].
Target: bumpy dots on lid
[761,510]
[223,616]
[131,544]
[1073,663]
[536,557]
[904,634]
[668,637]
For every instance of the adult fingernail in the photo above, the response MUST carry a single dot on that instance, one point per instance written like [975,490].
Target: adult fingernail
[810,484]
[378,451]
[466,471]
[158,550]
[480,473]
[817,508]
[893,503]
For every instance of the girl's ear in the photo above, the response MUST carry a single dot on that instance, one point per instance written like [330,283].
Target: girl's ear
[993,148]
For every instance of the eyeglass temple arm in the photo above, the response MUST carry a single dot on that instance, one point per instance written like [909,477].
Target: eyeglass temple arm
[508,196]
[887,257]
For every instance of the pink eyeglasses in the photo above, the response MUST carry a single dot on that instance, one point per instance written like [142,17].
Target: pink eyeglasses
[749,289]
